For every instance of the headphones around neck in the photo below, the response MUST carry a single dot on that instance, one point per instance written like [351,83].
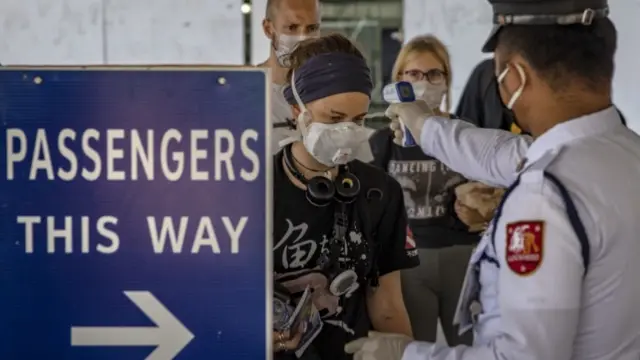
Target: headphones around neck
[321,191]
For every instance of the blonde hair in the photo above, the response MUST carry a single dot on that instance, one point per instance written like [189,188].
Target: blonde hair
[425,44]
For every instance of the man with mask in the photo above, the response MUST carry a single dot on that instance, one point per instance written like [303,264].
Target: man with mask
[555,275]
[480,102]
[286,23]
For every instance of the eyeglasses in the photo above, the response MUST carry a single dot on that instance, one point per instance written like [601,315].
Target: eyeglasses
[433,76]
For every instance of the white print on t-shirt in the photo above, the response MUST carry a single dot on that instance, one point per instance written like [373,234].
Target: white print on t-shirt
[297,253]
[427,186]
[323,300]
[298,256]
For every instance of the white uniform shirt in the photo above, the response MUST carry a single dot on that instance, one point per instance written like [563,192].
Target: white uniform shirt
[280,112]
[549,308]
[480,292]
[487,155]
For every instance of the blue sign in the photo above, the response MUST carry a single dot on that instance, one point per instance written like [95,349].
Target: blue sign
[134,214]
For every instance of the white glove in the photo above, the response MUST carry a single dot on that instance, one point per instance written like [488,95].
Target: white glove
[378,346]
[412,115]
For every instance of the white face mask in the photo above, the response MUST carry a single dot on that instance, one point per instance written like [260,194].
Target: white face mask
[431,94]
[283,46]
[334,144]
[523,81]
[331,144]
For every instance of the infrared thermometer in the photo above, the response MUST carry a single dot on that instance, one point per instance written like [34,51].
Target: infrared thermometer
[402,92]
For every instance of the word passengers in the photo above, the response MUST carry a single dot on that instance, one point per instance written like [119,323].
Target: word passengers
[118,155]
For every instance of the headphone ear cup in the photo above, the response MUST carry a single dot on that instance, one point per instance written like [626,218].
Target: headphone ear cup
[320,191]
[347,187]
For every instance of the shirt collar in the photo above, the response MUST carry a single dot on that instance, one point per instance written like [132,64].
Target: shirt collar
[588,125]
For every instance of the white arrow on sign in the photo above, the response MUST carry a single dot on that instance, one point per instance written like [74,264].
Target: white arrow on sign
[169,335]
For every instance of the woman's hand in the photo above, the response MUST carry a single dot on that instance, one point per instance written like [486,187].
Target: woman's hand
[284,341]
[476,204]
[470,217]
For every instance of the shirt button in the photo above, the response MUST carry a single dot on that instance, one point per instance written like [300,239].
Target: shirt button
[475,307]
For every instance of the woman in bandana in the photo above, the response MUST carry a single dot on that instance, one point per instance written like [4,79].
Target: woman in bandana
[339,223]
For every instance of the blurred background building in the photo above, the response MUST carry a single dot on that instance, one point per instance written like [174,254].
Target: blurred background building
[230,32]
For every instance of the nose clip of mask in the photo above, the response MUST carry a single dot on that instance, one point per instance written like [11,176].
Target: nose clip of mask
[401,92]
[347,187]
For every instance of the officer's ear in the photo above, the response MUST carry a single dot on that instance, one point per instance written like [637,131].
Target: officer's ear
[517,61]
[504,59]
[534,78]
[517,73]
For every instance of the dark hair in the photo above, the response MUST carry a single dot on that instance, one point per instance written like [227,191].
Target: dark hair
[565,54]
[307,49]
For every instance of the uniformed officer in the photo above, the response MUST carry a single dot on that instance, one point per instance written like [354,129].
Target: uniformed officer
[556,275]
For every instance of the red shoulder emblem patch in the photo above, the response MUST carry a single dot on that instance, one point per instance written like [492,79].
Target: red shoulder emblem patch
[524,246]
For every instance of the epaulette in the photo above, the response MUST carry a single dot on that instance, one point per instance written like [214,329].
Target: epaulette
[543,162]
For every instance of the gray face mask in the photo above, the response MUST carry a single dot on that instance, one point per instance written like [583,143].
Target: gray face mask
[283,45]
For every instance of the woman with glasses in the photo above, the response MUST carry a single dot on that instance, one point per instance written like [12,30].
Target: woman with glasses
[444,242]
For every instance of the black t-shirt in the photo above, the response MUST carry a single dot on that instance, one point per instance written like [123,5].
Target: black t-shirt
[480,102]
[303,232]
[428,187]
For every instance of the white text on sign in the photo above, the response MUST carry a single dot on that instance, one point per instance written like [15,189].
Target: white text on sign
[117,155]
[208,156]
[166,234]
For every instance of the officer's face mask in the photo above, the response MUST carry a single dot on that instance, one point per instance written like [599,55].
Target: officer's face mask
[523,81]
[516,95]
